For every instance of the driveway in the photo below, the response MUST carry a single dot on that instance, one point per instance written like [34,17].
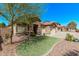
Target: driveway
[63,34]
[65,48]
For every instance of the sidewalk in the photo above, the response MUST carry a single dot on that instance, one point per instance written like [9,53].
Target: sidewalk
[64,47]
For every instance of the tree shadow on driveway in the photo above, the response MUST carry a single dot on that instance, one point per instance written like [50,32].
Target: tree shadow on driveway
[72,53]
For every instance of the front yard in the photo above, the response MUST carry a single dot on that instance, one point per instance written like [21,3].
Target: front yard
[36,46]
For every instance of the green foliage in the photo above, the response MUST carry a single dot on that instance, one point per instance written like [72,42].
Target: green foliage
[19,9]
[72,25]
[27,19]
[7,36]
[33,34]
[69,37]
[43,27]
[2,25]
[24,12]
[3,13]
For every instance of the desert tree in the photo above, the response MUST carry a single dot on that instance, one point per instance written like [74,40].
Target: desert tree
[16,10]
[72,25]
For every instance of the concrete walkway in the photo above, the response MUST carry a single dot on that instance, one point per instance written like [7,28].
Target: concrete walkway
[63,34]
[65,48]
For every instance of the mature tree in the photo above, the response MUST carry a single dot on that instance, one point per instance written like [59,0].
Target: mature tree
[10,9]
[72,25]
[27,19]
[31,20]
[17,10]
[31,14]
[14,10]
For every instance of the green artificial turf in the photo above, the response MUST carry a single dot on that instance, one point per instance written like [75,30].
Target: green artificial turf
[36,46]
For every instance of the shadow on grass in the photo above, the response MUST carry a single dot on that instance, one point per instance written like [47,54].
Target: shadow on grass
[35,39]
[38,38]
[72,53]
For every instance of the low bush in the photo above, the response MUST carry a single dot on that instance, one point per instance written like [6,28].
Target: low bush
[69,37]
[33,34]
[7,36]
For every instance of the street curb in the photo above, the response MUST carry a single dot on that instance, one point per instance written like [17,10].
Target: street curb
[52,47]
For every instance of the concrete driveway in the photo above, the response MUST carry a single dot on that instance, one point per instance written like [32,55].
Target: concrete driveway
[63,34]
[65,48]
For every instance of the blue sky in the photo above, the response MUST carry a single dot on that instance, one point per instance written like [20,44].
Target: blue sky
[3,20]
[62,13]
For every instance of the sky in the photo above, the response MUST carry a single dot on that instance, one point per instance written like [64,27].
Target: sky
[62,13]
[3,20]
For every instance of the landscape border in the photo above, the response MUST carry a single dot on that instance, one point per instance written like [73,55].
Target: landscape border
[46,54]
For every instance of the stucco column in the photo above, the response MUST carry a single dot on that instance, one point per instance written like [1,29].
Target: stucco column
[14,29]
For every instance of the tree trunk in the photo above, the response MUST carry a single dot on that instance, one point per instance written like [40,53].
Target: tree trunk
[0,31]
[28,32]
[12,29]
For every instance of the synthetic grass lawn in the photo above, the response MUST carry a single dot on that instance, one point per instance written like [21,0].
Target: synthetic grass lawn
[36,46]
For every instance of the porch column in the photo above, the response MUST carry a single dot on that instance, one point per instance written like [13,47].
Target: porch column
[14,29]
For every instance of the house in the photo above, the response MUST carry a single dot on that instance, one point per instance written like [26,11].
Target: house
[22,28]
[48,28]
[62,28]
[71,30]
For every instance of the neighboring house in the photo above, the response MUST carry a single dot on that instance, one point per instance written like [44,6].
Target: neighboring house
[71,30]
[48,28]
[39,28]
[62,28]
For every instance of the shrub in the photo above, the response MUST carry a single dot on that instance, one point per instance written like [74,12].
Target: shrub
[69,37]
[7,36]
[32,34]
